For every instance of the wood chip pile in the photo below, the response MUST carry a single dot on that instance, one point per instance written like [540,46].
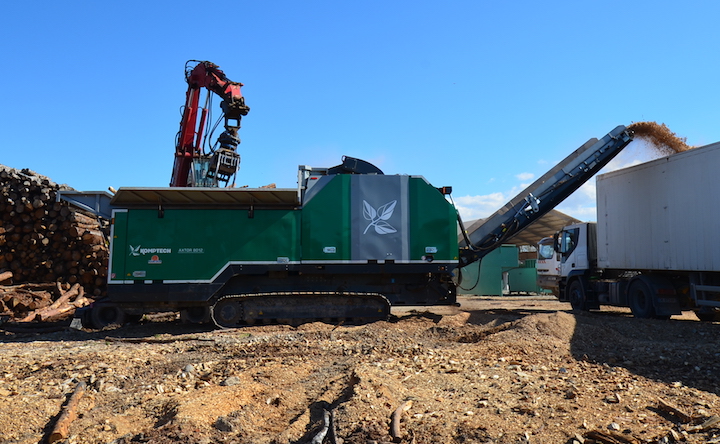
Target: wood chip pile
[43,241]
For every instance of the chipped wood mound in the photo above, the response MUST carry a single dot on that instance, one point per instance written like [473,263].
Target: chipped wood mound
[45,241]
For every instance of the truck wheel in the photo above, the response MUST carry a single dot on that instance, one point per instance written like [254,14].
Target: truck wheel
[576,296]
[640,298]
[102,315]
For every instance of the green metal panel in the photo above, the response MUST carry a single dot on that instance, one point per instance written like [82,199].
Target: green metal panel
[491,270]
[194,245]
[118,249]
[433,222]
[326,222]
[523,280]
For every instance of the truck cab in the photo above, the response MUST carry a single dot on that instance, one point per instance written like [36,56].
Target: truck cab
[576,245]
[586,284]
[548,266]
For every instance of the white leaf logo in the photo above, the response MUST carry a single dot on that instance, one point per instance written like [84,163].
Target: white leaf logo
[378,218]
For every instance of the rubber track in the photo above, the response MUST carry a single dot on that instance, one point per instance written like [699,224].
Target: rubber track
[295,301]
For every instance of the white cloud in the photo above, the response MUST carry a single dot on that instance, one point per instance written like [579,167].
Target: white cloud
[477,207]
[580,205]
[525,176]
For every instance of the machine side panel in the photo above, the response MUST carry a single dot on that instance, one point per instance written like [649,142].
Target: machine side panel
[433,224]
[326,222]
[661,215]
[194,246]
[361,218]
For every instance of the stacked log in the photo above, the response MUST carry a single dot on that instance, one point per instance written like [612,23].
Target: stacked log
[45,241]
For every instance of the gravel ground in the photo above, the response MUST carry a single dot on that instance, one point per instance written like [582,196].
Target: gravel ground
[522,369]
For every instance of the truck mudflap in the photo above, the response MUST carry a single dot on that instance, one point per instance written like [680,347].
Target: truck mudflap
[297,308]
[652,297]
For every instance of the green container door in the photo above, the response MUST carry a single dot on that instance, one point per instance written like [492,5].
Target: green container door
[491,270]
[524,278]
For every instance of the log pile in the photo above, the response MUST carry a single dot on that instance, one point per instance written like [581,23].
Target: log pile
[45,241]
[41,302]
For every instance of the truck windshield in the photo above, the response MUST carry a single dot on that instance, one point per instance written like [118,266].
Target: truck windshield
[546,251]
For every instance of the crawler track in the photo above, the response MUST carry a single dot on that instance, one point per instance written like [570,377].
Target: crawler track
[297,308]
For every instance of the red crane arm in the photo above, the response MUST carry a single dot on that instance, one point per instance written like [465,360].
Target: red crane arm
[189,143]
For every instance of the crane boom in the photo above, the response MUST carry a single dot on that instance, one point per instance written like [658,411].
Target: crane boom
[542,196]
[222,164]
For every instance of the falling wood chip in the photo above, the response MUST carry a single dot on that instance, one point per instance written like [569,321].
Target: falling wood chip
[660,136]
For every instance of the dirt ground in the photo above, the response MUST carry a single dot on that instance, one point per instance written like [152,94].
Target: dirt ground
[521,369]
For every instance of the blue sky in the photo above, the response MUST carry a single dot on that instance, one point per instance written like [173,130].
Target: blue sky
[482,96]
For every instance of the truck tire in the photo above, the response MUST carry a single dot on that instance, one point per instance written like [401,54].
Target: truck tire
[640,299]
[577,296]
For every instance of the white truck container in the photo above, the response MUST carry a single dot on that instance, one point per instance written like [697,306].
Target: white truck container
[656,245]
